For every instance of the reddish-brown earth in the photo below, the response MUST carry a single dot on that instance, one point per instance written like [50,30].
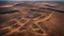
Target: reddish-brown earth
[32,19]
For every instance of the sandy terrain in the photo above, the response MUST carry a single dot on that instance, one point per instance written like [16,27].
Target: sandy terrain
[32,19]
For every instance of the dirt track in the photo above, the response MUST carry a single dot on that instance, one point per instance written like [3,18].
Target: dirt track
[32,19]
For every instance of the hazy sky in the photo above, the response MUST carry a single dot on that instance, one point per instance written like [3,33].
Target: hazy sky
[31,0]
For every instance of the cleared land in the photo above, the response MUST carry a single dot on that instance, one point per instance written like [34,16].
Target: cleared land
[32,19]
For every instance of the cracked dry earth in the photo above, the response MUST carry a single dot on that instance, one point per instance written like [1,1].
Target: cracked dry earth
[34,19]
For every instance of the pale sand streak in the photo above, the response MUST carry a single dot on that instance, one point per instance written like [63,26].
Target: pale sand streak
[12,31]
[44,20]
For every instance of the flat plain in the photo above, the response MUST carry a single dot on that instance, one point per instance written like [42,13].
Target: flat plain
[32,19]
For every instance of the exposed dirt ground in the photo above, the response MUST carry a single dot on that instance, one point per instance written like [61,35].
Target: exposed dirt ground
[32,19]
